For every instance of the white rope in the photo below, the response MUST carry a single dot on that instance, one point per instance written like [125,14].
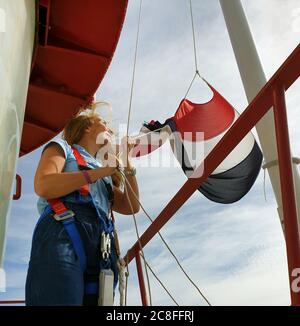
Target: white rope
[138,236]
[127,133]
[161,283]
[134,67]
[194,38]
[264,186]
[141,247]
[190,86]
[126,282]
[195,52]
[121,268]
[268,165]
[122,281]
[126,181]
[146,133]
[295,160]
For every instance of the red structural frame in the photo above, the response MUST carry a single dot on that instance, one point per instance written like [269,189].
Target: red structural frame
[141,277]
[17,195]
[271,95]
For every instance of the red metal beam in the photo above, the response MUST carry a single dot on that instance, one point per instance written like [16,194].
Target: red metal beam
[141,278]
[12,302]
[17,195]
[286,76]
[287,188]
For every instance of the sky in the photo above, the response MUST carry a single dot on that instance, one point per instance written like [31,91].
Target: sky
[234,253]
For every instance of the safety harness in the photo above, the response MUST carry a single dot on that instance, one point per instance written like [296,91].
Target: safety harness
[67,218]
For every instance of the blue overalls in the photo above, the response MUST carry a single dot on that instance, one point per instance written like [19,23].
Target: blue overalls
[66,259]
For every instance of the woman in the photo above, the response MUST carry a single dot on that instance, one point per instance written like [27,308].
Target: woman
[67,254]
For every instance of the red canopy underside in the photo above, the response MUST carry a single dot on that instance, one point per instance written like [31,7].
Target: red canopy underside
[76,43]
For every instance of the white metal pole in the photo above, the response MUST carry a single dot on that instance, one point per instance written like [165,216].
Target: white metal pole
[17,30]
[254,79]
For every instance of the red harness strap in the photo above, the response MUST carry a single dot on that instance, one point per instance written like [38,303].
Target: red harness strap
[84,190]
[80,160]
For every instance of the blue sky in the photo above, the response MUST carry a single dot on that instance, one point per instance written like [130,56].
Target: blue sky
[235,253]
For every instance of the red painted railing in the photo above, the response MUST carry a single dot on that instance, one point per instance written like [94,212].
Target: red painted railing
[12,302]
[17,195]
[272,94]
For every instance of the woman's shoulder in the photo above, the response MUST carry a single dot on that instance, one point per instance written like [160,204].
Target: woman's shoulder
[63,145]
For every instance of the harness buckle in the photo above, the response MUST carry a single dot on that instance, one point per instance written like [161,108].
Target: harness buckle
[105,245]
[64,216]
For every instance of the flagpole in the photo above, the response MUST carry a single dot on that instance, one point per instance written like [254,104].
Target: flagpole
[17,35]
[253,78]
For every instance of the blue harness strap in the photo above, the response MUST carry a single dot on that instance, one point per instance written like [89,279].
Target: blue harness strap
[91,288]
[71,229]
[74,235]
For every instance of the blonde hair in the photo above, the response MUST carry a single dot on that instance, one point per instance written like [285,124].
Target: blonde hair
[76,127]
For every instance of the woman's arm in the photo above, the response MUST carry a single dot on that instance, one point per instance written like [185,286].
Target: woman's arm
[51,182]
[127,204]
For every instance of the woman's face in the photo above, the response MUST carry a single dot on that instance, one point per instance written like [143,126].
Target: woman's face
[99,125]
[99,130]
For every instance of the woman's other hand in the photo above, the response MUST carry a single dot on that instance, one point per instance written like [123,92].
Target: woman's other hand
[125,150]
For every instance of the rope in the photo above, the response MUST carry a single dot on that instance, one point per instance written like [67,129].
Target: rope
[265,193]
[167,246]
[126,283]
[161,283]
[295,160]
[194,38]
[195,52]
[127,133]
[120,265]
[191,84]
[134,67]
[142,251]
[122,280]
[146,133]
[139,241]
[126,181]
[268,165]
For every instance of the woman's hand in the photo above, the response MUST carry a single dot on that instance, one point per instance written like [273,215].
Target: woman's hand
[125,151]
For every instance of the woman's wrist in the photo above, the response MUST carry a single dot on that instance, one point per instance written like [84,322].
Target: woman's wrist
[98,173]
[87,177]
[129,164]
[130,170]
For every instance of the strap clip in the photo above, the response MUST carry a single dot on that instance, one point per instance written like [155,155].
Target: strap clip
[105,245]
[64,216]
